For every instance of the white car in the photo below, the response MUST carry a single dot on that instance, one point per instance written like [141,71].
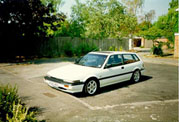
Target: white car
[96,70]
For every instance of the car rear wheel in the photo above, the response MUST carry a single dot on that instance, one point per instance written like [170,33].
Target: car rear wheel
[136,76]
[91,87]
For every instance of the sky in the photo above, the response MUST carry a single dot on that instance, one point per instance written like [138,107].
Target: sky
[160,7]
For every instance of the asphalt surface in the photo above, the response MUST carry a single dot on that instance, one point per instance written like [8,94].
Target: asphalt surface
[155,98]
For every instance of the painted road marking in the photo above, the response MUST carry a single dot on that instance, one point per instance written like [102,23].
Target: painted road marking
[106,106]
[132,104]
[5,70]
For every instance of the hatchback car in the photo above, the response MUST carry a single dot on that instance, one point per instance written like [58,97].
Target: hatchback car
[96,70]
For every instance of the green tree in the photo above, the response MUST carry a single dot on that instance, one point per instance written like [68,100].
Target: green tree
[104,19]
[134,6]
[145,25]
[128,26]
[55,3]
[70,29]
[169,22]
[22,26]
[152,33]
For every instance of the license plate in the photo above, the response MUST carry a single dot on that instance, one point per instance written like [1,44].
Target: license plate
[53,84]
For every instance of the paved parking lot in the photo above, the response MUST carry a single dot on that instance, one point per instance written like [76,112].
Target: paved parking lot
[155,98]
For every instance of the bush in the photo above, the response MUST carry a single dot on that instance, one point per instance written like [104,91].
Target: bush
[11,108]
[68,49]
[157,50]
[114,48]
[84,48]
[8,95]
[21,113]
[120,49]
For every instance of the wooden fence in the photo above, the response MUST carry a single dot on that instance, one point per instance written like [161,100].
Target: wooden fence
[56,44]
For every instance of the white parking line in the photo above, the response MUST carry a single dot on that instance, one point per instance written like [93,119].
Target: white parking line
[106,106]
[134,104]
[124,104]
[82,102]
[5,70]
[149,102]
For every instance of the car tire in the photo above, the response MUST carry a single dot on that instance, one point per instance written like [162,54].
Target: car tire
[91,87]
[136,76]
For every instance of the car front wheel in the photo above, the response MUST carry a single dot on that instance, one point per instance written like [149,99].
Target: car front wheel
[136,76]
[91,87]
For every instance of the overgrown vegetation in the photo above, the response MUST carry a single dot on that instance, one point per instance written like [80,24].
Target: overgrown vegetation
[79,50]
[166,25]
[114,48]
[11,107]
[27,24]
[157,50]
[104,19]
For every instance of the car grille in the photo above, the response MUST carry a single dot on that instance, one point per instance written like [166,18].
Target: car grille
[54,79]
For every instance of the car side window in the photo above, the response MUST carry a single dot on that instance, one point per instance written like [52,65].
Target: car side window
[135,57]
[114,60]
[128,58]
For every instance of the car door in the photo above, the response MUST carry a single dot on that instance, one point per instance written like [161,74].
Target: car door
[129,65]
[113,71]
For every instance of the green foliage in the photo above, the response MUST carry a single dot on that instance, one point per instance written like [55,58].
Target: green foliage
[70,29]
[95,17]
[79,50]
[8,95]
[54,3]
[20,113]
[128,26]
[152,33]
[111,48]
[121,48]
[165,26]
[24,24]
[114,48]
[143,26]
[169,22]
[84,48]
[11,108]
[133,6]
[168,45]
[68,49]
[157,50]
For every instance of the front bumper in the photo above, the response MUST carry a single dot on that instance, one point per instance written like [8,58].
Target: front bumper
[66,87]
[142,71]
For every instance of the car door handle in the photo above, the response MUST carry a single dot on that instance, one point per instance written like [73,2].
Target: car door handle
[122,67]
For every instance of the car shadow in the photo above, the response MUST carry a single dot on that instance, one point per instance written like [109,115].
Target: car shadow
[114,87]
[38,111]
[40,60]
[51,60]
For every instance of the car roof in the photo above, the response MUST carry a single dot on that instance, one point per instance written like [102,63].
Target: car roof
[111,52]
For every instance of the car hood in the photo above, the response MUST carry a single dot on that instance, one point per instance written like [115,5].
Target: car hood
[72,72]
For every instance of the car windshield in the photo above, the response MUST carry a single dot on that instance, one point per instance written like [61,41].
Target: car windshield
[92,60]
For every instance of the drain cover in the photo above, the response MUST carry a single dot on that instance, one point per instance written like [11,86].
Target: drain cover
[49,95]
